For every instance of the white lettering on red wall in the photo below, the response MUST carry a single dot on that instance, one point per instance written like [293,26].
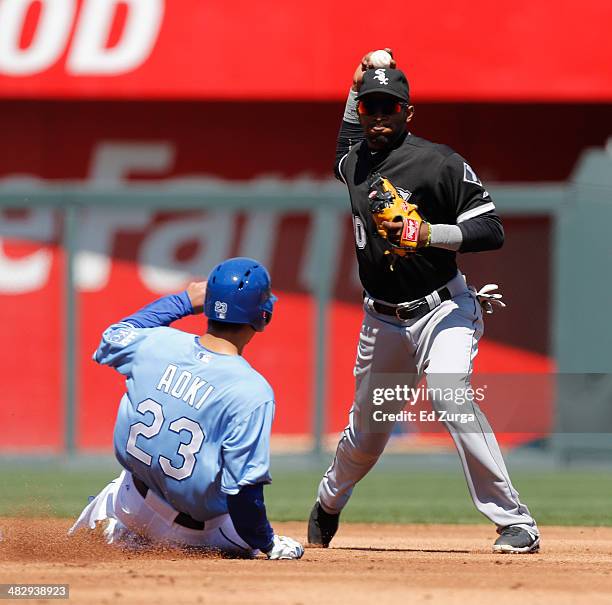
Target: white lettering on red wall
[88,51]
[160,268]
[89,54]
[111,164]
[49,40]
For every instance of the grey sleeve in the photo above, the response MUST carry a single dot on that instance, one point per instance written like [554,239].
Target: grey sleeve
[448,237]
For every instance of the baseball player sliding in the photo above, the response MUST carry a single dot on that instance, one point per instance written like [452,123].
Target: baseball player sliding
[193,429]
[415,205]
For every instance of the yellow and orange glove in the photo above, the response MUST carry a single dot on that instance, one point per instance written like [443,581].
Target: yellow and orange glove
[386,204]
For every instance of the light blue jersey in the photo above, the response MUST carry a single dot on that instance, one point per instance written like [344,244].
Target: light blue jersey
[194,425]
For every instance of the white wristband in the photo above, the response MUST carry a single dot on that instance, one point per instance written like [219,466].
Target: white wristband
[448,237]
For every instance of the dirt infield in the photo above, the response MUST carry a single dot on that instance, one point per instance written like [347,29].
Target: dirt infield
[369,563]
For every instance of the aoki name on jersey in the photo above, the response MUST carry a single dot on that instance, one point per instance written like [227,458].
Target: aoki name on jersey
[183,385]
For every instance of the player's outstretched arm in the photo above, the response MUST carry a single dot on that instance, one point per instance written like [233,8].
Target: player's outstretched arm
[120,340]
[165,310]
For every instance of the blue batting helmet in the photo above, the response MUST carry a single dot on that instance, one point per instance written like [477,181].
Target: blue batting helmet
[238,291]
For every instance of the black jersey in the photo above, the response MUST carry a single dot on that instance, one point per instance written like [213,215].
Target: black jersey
[445,189]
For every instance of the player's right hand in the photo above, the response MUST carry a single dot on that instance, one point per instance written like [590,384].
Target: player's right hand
[364,66]
[285,548]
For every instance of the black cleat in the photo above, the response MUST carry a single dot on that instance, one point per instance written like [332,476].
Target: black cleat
[516,540]
[322,526]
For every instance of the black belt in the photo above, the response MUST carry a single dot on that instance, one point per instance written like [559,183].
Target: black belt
[412,310]
[182,519]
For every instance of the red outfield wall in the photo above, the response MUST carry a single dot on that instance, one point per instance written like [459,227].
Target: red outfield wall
[114,142]
[172,61]
[130,257]
[273,49]
[133,256]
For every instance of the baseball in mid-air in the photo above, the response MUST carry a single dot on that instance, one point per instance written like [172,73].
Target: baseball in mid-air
[380,58]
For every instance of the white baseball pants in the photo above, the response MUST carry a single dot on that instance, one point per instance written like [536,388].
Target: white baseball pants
[442,346]
[132,520]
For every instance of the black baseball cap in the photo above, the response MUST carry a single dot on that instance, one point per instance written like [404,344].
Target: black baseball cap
[386,80]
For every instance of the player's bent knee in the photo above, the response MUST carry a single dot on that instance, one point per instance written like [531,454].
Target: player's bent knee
[366,446]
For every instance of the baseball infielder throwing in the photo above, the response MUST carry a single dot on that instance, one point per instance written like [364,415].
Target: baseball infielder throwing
[420,317]
[193,429]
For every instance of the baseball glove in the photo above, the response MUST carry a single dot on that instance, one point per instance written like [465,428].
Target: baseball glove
[386,204]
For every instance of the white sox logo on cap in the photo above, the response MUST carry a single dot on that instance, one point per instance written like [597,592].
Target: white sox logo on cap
[386,80]
[381,76]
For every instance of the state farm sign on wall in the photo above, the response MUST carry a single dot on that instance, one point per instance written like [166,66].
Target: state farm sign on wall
[35,36]
[274,49]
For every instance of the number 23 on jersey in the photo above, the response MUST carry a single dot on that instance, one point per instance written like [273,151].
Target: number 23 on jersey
[187,451]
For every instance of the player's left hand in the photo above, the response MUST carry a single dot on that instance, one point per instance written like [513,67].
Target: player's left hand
[394,228]
[285,548]
[196,291]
